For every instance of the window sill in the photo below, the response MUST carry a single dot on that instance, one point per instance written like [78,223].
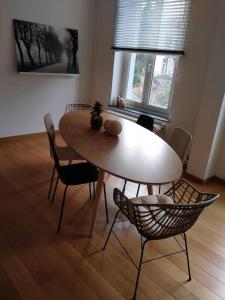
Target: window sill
[133,112]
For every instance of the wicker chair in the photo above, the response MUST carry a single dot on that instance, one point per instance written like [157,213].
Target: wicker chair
[177,212]
[77,106]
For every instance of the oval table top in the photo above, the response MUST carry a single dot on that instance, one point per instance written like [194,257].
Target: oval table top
[136,154]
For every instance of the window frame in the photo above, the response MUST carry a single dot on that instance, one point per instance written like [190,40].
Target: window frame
[147,85]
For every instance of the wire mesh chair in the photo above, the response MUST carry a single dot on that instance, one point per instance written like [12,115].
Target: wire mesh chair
[177,212]
[148,123]
[77,106]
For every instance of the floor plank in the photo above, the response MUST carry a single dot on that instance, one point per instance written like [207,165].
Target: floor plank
[36,263]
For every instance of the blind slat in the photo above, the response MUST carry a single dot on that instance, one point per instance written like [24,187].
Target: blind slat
[151,25]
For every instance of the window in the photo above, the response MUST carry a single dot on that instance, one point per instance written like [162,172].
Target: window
[149,81]
[152,34]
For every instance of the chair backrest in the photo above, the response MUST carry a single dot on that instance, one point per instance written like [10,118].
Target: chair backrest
[159,221]
[51,138]
[77,106]
[146,122]
[49,126]
[180,141]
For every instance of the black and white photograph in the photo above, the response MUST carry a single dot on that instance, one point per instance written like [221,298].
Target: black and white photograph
[46,49]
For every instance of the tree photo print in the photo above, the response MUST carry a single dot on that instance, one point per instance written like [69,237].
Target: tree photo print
[46,49]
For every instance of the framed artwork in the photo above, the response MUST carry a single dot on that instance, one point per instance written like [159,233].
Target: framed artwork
[46,49]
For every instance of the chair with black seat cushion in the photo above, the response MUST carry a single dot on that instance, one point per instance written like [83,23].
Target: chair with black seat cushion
[148,123]
[71,107]
[64,153]
[72,174]
[158,217]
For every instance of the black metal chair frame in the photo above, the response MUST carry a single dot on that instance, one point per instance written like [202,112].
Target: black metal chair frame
[58,168]
[148,123]
[51,184]
[173,219]
[50,128]
[70,108]
[90,193]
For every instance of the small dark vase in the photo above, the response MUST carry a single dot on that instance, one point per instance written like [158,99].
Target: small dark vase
[96,118]
[96,121]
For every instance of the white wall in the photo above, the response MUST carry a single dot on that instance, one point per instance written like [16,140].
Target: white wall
[193,74]
[220,163]
[24,99]
[209,125]
[216,145]
[193,66]
[103,56]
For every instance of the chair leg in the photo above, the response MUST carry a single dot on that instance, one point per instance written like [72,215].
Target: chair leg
[159,188]
[139,269]
[186,252]
[90,189]
[138,189]
[94,188]
[106,206]
[52,178]
[62,208]
[124,186]
[110,231]
[56,184]
[173,185]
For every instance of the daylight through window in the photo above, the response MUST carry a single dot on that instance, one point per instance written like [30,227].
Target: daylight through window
[148,81]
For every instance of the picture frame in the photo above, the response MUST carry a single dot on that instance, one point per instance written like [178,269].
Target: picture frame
[45,49]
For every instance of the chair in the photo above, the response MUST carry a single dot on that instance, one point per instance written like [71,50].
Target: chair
[71,107]
[77,106]
[162,216]
[180,141]
[72,174]
[148,123]
[64,153]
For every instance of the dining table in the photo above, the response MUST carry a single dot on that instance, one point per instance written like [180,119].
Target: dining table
[136,154]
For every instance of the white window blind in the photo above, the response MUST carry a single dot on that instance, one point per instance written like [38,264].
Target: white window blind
[151,25]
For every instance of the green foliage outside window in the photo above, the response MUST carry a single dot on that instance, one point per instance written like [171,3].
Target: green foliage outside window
[139,71]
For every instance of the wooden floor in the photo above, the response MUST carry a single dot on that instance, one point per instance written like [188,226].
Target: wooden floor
[36,263]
